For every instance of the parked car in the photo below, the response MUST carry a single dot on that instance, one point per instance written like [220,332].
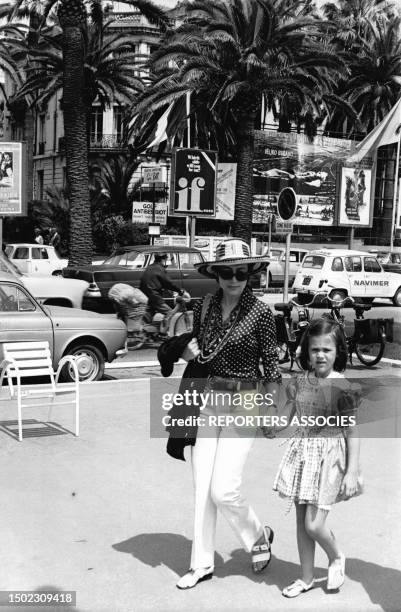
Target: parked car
[343,272]
[92,338]
[275,271]
[390,262]
[35,259]
[127,264]
[52,290]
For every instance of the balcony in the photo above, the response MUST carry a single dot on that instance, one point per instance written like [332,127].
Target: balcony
[106,142]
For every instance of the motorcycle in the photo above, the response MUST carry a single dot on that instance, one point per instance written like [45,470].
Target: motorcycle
[145,330]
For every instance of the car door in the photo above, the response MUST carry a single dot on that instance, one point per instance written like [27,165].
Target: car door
[196,284]
[377,282]
[21,317]
[21,258]
[355,275]
[41,265]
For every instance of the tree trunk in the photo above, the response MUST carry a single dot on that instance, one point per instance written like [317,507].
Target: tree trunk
[244,189]
[72,19]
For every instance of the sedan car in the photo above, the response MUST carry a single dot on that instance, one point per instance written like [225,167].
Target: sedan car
[126,265]
[275,272]
[53,290]
[92,338]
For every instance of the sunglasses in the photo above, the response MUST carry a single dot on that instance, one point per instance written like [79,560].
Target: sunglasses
[229,273]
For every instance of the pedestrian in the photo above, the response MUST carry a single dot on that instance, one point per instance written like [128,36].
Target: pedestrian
[38,236]
[55,240]
[320,466]
[236,332]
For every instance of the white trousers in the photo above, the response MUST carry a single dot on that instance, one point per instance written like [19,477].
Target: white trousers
[217,465]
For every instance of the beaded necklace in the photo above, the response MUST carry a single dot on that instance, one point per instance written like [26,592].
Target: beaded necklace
[217,345]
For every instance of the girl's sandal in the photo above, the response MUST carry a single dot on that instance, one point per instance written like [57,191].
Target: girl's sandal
[261,553]
[297,587]
[336,574]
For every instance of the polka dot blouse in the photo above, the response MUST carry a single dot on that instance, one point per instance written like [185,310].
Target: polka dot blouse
[251,341]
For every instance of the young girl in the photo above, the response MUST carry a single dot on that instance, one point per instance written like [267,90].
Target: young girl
[320,465]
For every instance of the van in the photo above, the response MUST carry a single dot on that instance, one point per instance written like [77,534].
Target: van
[343,273]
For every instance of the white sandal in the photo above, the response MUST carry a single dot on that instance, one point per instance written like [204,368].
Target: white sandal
[191,578]
[336,573]
[297,587]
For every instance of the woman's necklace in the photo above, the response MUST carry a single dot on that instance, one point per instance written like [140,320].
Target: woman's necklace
[215,345]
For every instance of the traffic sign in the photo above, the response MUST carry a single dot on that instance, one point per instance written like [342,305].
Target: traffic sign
[152,174]
[193,183]
[287,204]
[284,227]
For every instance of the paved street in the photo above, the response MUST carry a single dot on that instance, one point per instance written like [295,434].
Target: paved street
[110,516]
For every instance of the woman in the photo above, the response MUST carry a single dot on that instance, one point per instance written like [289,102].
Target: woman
[235,334]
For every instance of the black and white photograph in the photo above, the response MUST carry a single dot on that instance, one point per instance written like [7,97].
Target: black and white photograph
[200,305]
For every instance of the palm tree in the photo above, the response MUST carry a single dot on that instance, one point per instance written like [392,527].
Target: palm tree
[73,20]
[233,52]
[114,178]
[375,83]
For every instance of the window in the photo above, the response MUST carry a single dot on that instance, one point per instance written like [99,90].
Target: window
[12,299]
[96,124]
[337,265]
[36,254]
[353,264]
[41,176]
[118,122]
[188,260]
[313,261]
[21,253]
[371,265]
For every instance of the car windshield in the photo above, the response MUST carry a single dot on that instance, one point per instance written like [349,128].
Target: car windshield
[313,261]
[7,266]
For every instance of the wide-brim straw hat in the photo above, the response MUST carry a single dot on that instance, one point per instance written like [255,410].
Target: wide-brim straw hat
[233,252]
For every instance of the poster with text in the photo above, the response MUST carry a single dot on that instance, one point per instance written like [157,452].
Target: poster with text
[12,185]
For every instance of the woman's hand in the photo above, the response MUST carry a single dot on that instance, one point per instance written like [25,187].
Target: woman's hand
[191,351]
[349,485]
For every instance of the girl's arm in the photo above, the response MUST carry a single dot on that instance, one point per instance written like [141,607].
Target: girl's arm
[349,484]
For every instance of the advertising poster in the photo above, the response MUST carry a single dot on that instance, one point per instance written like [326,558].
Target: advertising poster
[193,183]
[147,212]
[225,192]
[354,207]
[310,168]
[12,187]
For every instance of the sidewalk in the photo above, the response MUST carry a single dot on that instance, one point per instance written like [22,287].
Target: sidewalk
[109,515]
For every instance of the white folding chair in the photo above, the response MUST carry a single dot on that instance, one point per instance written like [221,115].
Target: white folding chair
[32,359]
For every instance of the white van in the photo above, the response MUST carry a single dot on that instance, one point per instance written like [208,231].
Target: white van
[343,272]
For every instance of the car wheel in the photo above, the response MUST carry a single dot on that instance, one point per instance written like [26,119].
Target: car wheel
[397,298]
[338,295]
[90,363]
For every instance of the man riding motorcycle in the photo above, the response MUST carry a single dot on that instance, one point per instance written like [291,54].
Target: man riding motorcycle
[153,281]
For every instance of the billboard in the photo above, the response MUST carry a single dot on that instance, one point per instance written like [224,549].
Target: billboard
[309,168]
[142,212]
[12,179]
[355,197]
[225,193]
[193,183]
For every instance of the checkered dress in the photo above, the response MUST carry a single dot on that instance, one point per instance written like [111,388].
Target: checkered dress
[314,463]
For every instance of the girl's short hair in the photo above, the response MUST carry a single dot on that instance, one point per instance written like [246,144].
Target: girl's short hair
[321,327]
